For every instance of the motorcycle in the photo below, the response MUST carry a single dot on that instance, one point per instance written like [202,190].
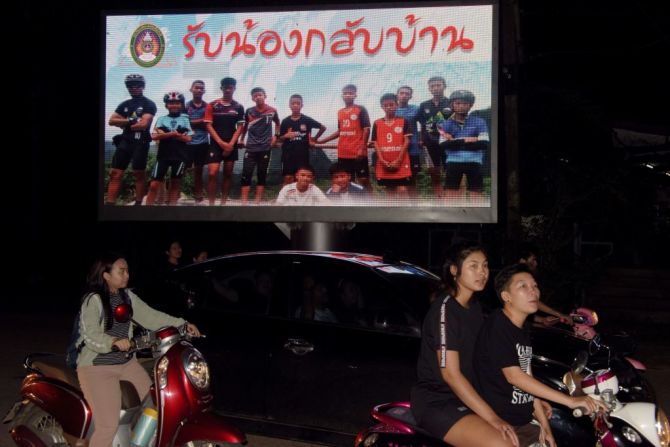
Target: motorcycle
[634,414]
[176,412]
[623,424]
[583,322]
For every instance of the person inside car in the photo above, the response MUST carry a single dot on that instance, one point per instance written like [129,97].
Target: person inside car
[444,400]
[349,307]
[315,305]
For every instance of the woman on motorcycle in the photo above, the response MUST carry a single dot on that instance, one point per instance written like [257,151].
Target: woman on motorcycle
[102,362]
[444,400]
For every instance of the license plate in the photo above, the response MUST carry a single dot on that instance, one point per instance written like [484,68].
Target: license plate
[11,414]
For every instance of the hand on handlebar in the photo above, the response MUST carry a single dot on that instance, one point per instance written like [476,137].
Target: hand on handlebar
[566,319]
[192,330]
[121,344]
[586,405]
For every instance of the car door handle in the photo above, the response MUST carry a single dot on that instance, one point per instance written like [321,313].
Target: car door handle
[298,346]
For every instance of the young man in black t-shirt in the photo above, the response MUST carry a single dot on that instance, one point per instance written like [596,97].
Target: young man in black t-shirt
[502,361]
[224,119]
[134,116]
[432,113]
[296,133]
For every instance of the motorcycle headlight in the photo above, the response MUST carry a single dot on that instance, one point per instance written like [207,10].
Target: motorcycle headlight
[370,440]
[161,372]
[196,369]
[594,317]
[630,434]
[662,428]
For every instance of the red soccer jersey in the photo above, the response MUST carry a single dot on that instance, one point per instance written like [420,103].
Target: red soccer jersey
[351,121]
[390,139]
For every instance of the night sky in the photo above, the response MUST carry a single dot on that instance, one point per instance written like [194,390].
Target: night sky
[584,65]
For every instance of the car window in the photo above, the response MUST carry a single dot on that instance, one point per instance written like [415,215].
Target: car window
[335,292]
[240,285]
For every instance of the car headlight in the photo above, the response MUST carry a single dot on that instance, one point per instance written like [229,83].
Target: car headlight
[196,369]
[662,428]
[161,372]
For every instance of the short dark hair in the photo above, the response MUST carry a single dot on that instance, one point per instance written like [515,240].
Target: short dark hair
[350,87]
[228,81]
[197,81]
[388,96]
[257,89]
[504,277]
[306,167]
[438,78]
[411,90]
[295,95]
[337,167]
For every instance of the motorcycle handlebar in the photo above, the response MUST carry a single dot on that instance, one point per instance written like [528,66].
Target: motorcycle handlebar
[579,412]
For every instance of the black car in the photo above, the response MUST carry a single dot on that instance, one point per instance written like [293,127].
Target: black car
[303,344]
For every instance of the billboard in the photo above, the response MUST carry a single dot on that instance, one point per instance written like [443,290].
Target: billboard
[335,114]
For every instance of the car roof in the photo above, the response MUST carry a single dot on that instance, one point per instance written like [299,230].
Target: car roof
[367,260]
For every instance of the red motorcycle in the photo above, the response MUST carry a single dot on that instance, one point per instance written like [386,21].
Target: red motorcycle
[176,412]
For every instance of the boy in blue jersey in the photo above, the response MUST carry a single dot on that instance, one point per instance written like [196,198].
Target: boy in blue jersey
[465,139]
[199,144]
[172,132]
[261,137]
[411,114]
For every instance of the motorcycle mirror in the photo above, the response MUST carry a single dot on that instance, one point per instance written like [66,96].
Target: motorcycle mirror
[595,344]
[123,312]
[580,361]
[578,319]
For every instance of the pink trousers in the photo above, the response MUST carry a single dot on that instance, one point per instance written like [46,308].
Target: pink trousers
[102,391]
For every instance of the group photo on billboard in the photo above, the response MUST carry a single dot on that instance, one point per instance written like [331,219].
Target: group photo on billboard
[377,114]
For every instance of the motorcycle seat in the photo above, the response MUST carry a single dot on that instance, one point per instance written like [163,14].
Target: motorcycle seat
[54,367]
[404,416]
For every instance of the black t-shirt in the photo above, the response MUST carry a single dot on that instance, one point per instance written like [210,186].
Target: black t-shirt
[224,118]
[460,333]
[502,344]
[303,126]
[430,116]
[134,108]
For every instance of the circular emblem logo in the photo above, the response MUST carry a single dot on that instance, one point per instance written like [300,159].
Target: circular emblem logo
[354,117]
[303,127]
[147,45]
[398,130]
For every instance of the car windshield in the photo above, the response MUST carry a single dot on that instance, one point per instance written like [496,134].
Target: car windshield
[415,285]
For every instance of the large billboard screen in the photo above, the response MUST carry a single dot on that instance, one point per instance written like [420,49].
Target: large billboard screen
[374,114]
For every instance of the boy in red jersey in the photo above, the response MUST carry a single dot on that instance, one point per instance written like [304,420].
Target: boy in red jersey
[353,131]
[391,136]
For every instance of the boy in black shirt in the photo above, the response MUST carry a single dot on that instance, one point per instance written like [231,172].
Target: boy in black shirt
[296,133]
[134,116]
[503,356]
